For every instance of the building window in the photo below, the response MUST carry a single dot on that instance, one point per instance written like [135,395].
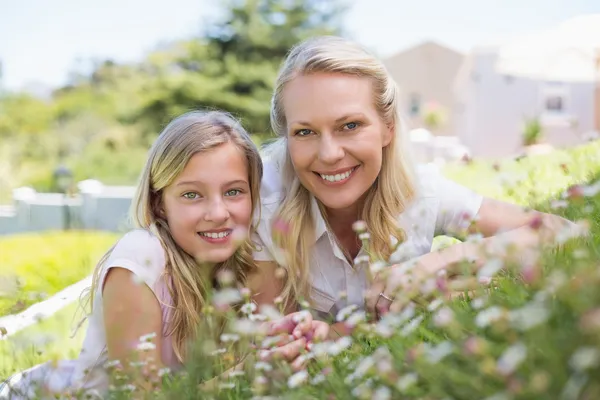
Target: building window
[414,105]
[554,98]
[554,104]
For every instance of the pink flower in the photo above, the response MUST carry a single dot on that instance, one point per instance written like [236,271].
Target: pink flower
[281,226]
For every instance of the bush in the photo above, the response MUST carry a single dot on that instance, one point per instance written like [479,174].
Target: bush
[34,266]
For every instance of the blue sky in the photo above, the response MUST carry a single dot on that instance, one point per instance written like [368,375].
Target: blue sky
[41,40]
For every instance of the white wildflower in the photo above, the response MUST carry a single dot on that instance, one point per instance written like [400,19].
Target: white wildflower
[488,316]
[528,316]
[435,304]
[301,316]
[382,393]
[270,312]
[247,327]
[512,357]
[474,238]
[227,296]
[137,364]
[557,204]
[248,308]
[411,326]
[345,312]
[148,337]
[363,391]
[146,346]
[263,366]
[112,364]
[127,388]
[356,318]
[340,345]
[230,337]
[377,267]
[490,268]
[499,396]
[444,317]
[257,317]
[364,366]
[437,353]
[478,302]
[297,379]
[227,385]
[218,351]
[406,381]
[318,379]
[164,371]
[585,358]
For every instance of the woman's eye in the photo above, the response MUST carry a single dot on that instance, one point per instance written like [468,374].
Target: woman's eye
[233,192]
[351,125]
[191,195]
[303,132]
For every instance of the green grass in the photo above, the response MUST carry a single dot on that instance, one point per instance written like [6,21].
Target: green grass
[531,180]
[47,340]
[34,266]
[558,352]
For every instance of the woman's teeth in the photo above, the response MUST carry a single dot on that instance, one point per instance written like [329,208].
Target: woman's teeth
[215,235]
[337,177]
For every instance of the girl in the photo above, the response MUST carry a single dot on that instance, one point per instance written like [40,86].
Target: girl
[192,212]
[340,158]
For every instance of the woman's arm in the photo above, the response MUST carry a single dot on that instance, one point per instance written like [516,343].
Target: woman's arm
[132,311]
[509,232]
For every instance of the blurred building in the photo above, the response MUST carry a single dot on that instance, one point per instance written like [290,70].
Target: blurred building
[425,74]
[491,108]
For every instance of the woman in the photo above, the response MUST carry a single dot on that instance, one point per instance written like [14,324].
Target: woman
[339,159]
[150,290]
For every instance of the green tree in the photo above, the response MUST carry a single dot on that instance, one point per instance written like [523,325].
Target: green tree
[234,64]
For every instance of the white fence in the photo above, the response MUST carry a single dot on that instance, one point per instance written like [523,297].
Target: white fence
[100,207]
[95,207]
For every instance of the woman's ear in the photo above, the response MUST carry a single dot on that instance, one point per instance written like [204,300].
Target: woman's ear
[388,135]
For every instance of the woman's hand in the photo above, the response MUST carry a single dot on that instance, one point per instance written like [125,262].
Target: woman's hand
[297,332]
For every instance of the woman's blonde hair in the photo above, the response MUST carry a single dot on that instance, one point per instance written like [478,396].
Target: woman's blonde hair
[185,136]
[388,196]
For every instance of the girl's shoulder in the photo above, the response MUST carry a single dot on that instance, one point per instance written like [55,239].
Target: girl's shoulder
[141,252]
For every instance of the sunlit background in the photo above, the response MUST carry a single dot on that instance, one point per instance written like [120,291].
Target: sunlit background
[504,96]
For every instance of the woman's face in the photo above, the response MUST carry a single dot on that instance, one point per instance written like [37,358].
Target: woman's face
[335,136]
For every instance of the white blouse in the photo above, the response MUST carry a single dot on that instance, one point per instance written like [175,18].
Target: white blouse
[441,207]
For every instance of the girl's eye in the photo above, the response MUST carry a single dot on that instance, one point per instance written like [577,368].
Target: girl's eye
[233,192]
[303,132]
[351,125]
[191,195]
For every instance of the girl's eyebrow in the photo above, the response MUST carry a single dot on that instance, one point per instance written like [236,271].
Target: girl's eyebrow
[234,182]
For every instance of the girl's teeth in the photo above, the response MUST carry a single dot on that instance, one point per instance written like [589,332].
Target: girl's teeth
[215,235]
[337,177]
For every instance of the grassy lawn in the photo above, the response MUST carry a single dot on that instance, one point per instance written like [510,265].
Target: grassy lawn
[536,334]
[48,340]
[34,266]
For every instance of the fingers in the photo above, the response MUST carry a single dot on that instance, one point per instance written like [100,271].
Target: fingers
[304,322]
[372,296]
[287,352]
[320,331]
[283,325]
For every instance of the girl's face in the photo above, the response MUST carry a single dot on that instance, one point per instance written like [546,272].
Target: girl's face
[335,136]
[207,201]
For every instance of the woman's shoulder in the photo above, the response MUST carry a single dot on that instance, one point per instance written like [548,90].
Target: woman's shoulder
[271,187]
